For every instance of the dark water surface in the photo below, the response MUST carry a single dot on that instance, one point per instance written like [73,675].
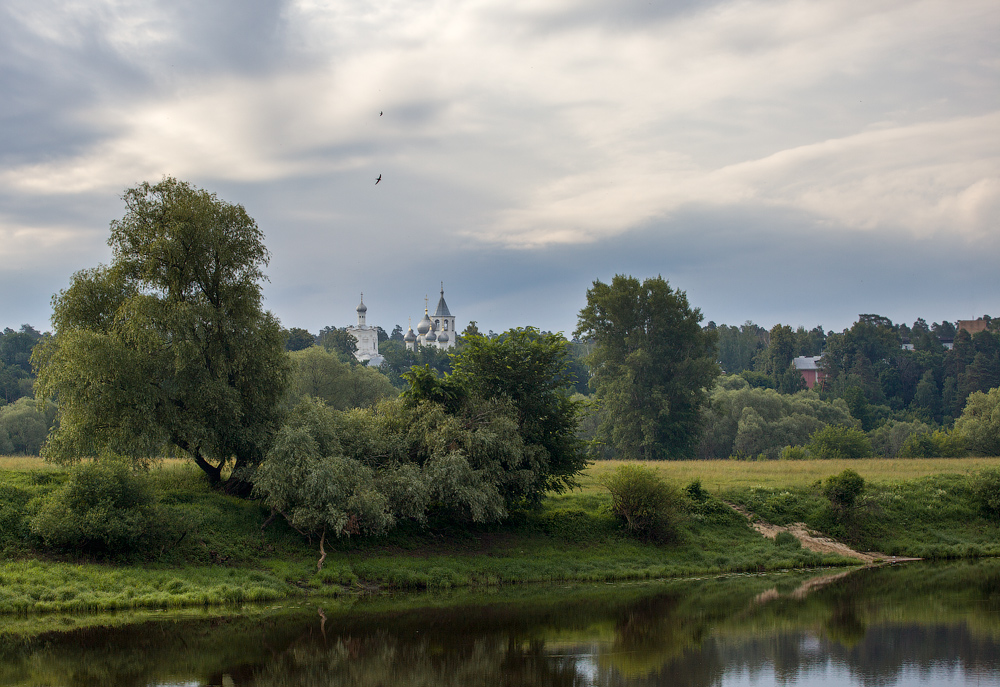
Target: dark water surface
[913,624]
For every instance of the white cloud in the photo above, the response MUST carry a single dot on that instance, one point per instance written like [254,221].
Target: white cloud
[572,129]
[33,247]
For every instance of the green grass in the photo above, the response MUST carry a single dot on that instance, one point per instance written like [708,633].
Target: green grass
[220,555]
[45,586]
[927,517]
[719,476]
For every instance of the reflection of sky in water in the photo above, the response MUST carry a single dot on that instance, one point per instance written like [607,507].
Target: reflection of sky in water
[817,663]
[836,674]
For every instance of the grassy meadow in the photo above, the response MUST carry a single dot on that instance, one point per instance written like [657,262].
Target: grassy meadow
[219,554]
[720,476]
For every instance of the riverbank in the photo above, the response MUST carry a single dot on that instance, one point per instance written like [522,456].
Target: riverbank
[878,620]
[222,555]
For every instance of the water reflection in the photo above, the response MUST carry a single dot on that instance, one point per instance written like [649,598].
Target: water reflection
[913,624]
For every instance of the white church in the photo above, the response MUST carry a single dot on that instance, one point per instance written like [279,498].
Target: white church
[437,330]
[366,350]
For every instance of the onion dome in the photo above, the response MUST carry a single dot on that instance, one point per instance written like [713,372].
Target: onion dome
[410,337]
[443,339]
[425,324]
[431,336]
[362,307]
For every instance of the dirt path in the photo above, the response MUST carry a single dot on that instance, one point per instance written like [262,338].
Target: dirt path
[814,541]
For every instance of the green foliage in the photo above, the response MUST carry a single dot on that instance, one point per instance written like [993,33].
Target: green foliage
[936,444]
[758,380]
[794,453]
[424,384]
[652,366]
[297,339]
[696,492]
[24,426]
[643,500]
[362,471]
[775,359]
[336,340]
[398,360]
[321,374]
[320,493]
[747,422]
[787,540]
[985,488]
[844,489]
[16,377]
[529,369]
[169,345]
[105,509]
[838,442]
[889,438]
[738,346]
[979,425]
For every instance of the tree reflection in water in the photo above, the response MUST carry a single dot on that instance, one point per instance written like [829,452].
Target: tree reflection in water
[870,627]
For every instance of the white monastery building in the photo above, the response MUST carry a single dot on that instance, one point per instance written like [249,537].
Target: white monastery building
[437,330]
[367,337]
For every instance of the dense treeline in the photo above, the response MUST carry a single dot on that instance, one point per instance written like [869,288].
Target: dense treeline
[23,425]
[884,371]
[903,386]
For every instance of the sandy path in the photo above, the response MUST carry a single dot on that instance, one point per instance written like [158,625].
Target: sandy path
[814,541]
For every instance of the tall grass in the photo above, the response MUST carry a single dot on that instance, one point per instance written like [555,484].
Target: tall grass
[721,475]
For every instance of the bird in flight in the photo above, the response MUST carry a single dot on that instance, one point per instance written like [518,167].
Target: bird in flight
[378,180]
[380,113]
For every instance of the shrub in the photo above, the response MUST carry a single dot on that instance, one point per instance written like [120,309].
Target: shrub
[985,487]
[643,500]
[795,453]
[837,442]
[935,444]
[105,508]
[843,489]
[696,492]
[787,540]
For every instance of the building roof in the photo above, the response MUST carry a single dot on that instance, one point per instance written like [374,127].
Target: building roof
[807,362]
[442,309]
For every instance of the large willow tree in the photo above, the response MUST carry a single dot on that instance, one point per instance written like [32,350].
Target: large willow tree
[168,347]
[652,366]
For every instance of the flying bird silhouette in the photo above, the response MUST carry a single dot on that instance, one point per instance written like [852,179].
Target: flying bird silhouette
[380,113]
[378,180]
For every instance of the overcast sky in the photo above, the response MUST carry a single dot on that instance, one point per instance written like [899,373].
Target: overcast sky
[780,161]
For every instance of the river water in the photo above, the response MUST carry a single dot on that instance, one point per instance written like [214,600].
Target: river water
[911,624]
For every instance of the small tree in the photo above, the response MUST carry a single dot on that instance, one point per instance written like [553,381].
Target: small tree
[317,490]
[843,489]
[643,500]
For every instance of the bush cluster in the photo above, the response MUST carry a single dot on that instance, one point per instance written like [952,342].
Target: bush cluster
[644,501]
[105,509]
[843,489]
[985,487]
[837,442]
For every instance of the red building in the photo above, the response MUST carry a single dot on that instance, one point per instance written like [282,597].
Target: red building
[809,367]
